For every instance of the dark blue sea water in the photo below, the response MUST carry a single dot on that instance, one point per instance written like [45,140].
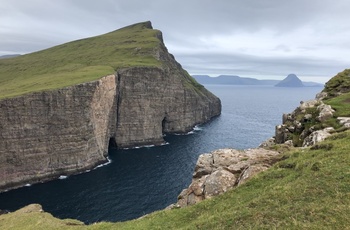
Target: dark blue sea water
[139,181]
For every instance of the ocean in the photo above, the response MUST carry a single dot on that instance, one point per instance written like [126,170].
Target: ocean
[139,181]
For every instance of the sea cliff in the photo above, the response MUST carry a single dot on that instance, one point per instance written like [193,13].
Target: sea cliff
[68,130]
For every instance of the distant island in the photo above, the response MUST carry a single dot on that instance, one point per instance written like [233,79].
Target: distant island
[290,81]
[236,80]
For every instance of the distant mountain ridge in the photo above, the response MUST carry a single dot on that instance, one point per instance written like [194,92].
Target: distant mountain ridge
[236,80]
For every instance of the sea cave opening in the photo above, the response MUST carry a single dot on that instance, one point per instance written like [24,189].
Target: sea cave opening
[164,125]
[112,143]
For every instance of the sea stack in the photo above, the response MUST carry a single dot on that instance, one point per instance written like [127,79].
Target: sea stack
[122,88]
[290,81]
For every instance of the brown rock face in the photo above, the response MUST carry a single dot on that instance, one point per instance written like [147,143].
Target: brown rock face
[46,134]
[153,101]
[65,131]
[222,170]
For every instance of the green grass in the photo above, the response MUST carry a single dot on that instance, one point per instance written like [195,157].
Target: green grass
[338,84]
[309,189]
[341,105]
[79,61]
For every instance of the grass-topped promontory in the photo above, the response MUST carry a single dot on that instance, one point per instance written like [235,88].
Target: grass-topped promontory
[79,61]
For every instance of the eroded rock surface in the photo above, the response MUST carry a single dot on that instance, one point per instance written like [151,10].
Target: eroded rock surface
[222,170]
[46,134]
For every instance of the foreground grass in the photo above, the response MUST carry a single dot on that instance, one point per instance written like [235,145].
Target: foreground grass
[309,189]
[79,61]
[341,104]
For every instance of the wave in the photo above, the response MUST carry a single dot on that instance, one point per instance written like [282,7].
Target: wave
[104,164]
[146,146]
[195,129]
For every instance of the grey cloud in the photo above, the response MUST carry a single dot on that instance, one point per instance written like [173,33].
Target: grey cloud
[250,66]
[27,26]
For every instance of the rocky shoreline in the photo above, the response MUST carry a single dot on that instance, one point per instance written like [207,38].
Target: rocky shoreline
[225,169]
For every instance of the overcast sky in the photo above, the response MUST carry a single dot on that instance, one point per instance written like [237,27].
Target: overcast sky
[265,39]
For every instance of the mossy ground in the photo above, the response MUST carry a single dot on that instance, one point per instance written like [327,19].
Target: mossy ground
[79,61]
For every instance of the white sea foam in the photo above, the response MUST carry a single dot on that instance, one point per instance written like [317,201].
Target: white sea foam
[62,177]
[194,130]
[197,128]
[146,146]
[28,185]
[104,164]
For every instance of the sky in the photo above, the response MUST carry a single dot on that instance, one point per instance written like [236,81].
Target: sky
[264,39]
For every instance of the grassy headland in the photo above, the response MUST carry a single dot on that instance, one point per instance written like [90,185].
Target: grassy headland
[79,61]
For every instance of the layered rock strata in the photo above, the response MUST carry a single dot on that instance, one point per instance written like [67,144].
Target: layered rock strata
[46,134]
[65,131]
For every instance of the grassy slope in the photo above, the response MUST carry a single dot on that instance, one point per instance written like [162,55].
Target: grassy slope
[79,61]
[339,83]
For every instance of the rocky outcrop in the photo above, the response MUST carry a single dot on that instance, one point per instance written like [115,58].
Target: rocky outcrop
[65,131]
[222,170]
[302,122]
[317,136]
[345,121]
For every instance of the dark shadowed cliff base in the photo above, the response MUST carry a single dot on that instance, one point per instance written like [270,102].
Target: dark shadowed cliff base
[68,130]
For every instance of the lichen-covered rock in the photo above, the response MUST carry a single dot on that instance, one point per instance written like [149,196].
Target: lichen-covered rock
[222,170]
[344,121]
[204,165]
[325,112]
[317,136]
[281,134]
[268,143]
[251,171]
[218,182]
[308,104]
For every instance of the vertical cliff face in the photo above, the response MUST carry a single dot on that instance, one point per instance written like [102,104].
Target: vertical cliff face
[153,101]
[64,131]
[46,134]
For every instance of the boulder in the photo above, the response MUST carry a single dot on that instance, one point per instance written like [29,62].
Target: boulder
[218,172]
[326,112]
[317,136]
[344,121]
[308,104]
[250,172]
[268,143]
[204,165]
[218,182]
[322,95]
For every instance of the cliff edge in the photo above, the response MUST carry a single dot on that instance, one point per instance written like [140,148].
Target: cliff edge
[63,123]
